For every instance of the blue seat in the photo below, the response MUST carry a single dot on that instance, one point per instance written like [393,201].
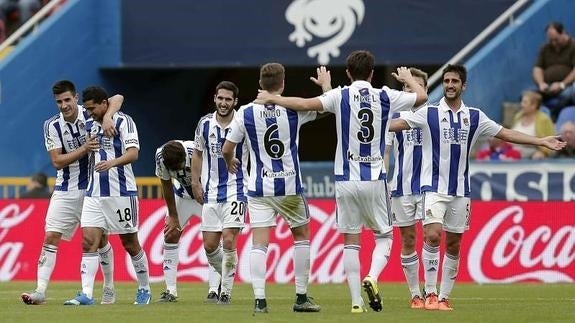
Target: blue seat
[566,114]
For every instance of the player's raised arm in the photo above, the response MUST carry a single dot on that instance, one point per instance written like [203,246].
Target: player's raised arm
[404,76]
[114,105]
[323,79]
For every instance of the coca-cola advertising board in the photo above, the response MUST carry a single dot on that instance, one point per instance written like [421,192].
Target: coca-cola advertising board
[507,242]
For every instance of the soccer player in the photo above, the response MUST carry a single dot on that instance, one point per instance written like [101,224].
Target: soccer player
[406,201]
[449,130]
[174,161]
[362,115]
[111,202]
[68,145]
[271,133]
[224,195]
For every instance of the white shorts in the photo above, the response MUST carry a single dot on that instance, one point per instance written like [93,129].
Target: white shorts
[114,214]
[406,210]
[219,216]
[452,211]
[64,212]
[263,210]
[362,203]
[186,208]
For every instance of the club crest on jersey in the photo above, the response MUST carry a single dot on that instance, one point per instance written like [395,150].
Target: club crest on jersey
[466,122]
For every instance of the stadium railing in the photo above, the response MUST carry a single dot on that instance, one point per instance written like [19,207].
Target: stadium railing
[12,187]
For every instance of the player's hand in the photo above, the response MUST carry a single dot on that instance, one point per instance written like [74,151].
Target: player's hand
[91,144]
[402,74]
[109,127]
[234,165]
[198,193]
[264,97]
[172,229]
[104,166]
[553,142]
[323,79]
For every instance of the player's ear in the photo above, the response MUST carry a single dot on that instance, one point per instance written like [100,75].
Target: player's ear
[235,102]
[260,83]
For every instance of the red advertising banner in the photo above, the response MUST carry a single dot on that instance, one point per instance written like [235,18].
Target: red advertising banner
[508,242]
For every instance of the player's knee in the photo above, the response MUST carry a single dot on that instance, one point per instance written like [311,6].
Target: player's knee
[52,238]
[301,232]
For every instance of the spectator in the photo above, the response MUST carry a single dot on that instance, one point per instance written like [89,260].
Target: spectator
[497,149]
[554,71]
[530,120]
[37,187]
[568,135]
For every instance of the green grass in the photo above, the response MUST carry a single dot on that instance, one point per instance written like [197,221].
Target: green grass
[472,303]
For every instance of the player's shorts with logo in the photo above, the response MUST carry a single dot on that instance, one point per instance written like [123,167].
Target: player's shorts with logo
[406,210]
[451,211]
[362,203]
[187,207]
[219,216]
[264,210]
[114,214]
[64,212]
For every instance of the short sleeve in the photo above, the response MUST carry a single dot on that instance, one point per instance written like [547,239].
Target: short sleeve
[307,116]
[51,138]
[330,100]
[129,133]
[417,119]
[199,138]
[399,100]
[487,127]
[237,128]
[161,170]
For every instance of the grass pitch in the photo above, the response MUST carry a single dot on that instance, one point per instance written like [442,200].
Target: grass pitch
[472,303]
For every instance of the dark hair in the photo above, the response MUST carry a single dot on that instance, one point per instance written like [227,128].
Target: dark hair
[272,76]
[557,26]
[173,154]
[456,68]
[41,179]
[94,93]
[63,86]
[360,64]
[230,86]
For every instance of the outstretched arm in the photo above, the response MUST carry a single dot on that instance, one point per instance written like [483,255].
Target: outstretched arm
[293,103]
[551,142]
[398,124]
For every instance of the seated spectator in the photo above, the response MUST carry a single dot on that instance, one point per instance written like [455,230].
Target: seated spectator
[37,187]
[530,120]
[568,134]
[554,71]
[498,149]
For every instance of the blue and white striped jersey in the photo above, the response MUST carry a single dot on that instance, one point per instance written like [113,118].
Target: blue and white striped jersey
[219,185]
[272,136]
[407,154]
[362,114]
[117,181]
[448,138]
[182,179]
[66,136]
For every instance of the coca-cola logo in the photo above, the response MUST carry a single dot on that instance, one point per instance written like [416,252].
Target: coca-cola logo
[541,253]
[11,215]
[325,247]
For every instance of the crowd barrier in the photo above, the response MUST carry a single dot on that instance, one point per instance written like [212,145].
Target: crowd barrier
[508,242]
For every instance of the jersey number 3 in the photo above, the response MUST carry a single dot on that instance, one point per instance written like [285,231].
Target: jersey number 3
[366,133]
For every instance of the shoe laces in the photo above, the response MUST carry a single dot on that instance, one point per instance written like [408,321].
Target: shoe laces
[142,295]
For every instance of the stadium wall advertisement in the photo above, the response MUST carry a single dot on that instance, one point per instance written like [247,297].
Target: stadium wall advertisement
[508,242]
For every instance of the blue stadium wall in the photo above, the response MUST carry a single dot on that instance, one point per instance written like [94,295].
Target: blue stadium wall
[501,70]
[71,44]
